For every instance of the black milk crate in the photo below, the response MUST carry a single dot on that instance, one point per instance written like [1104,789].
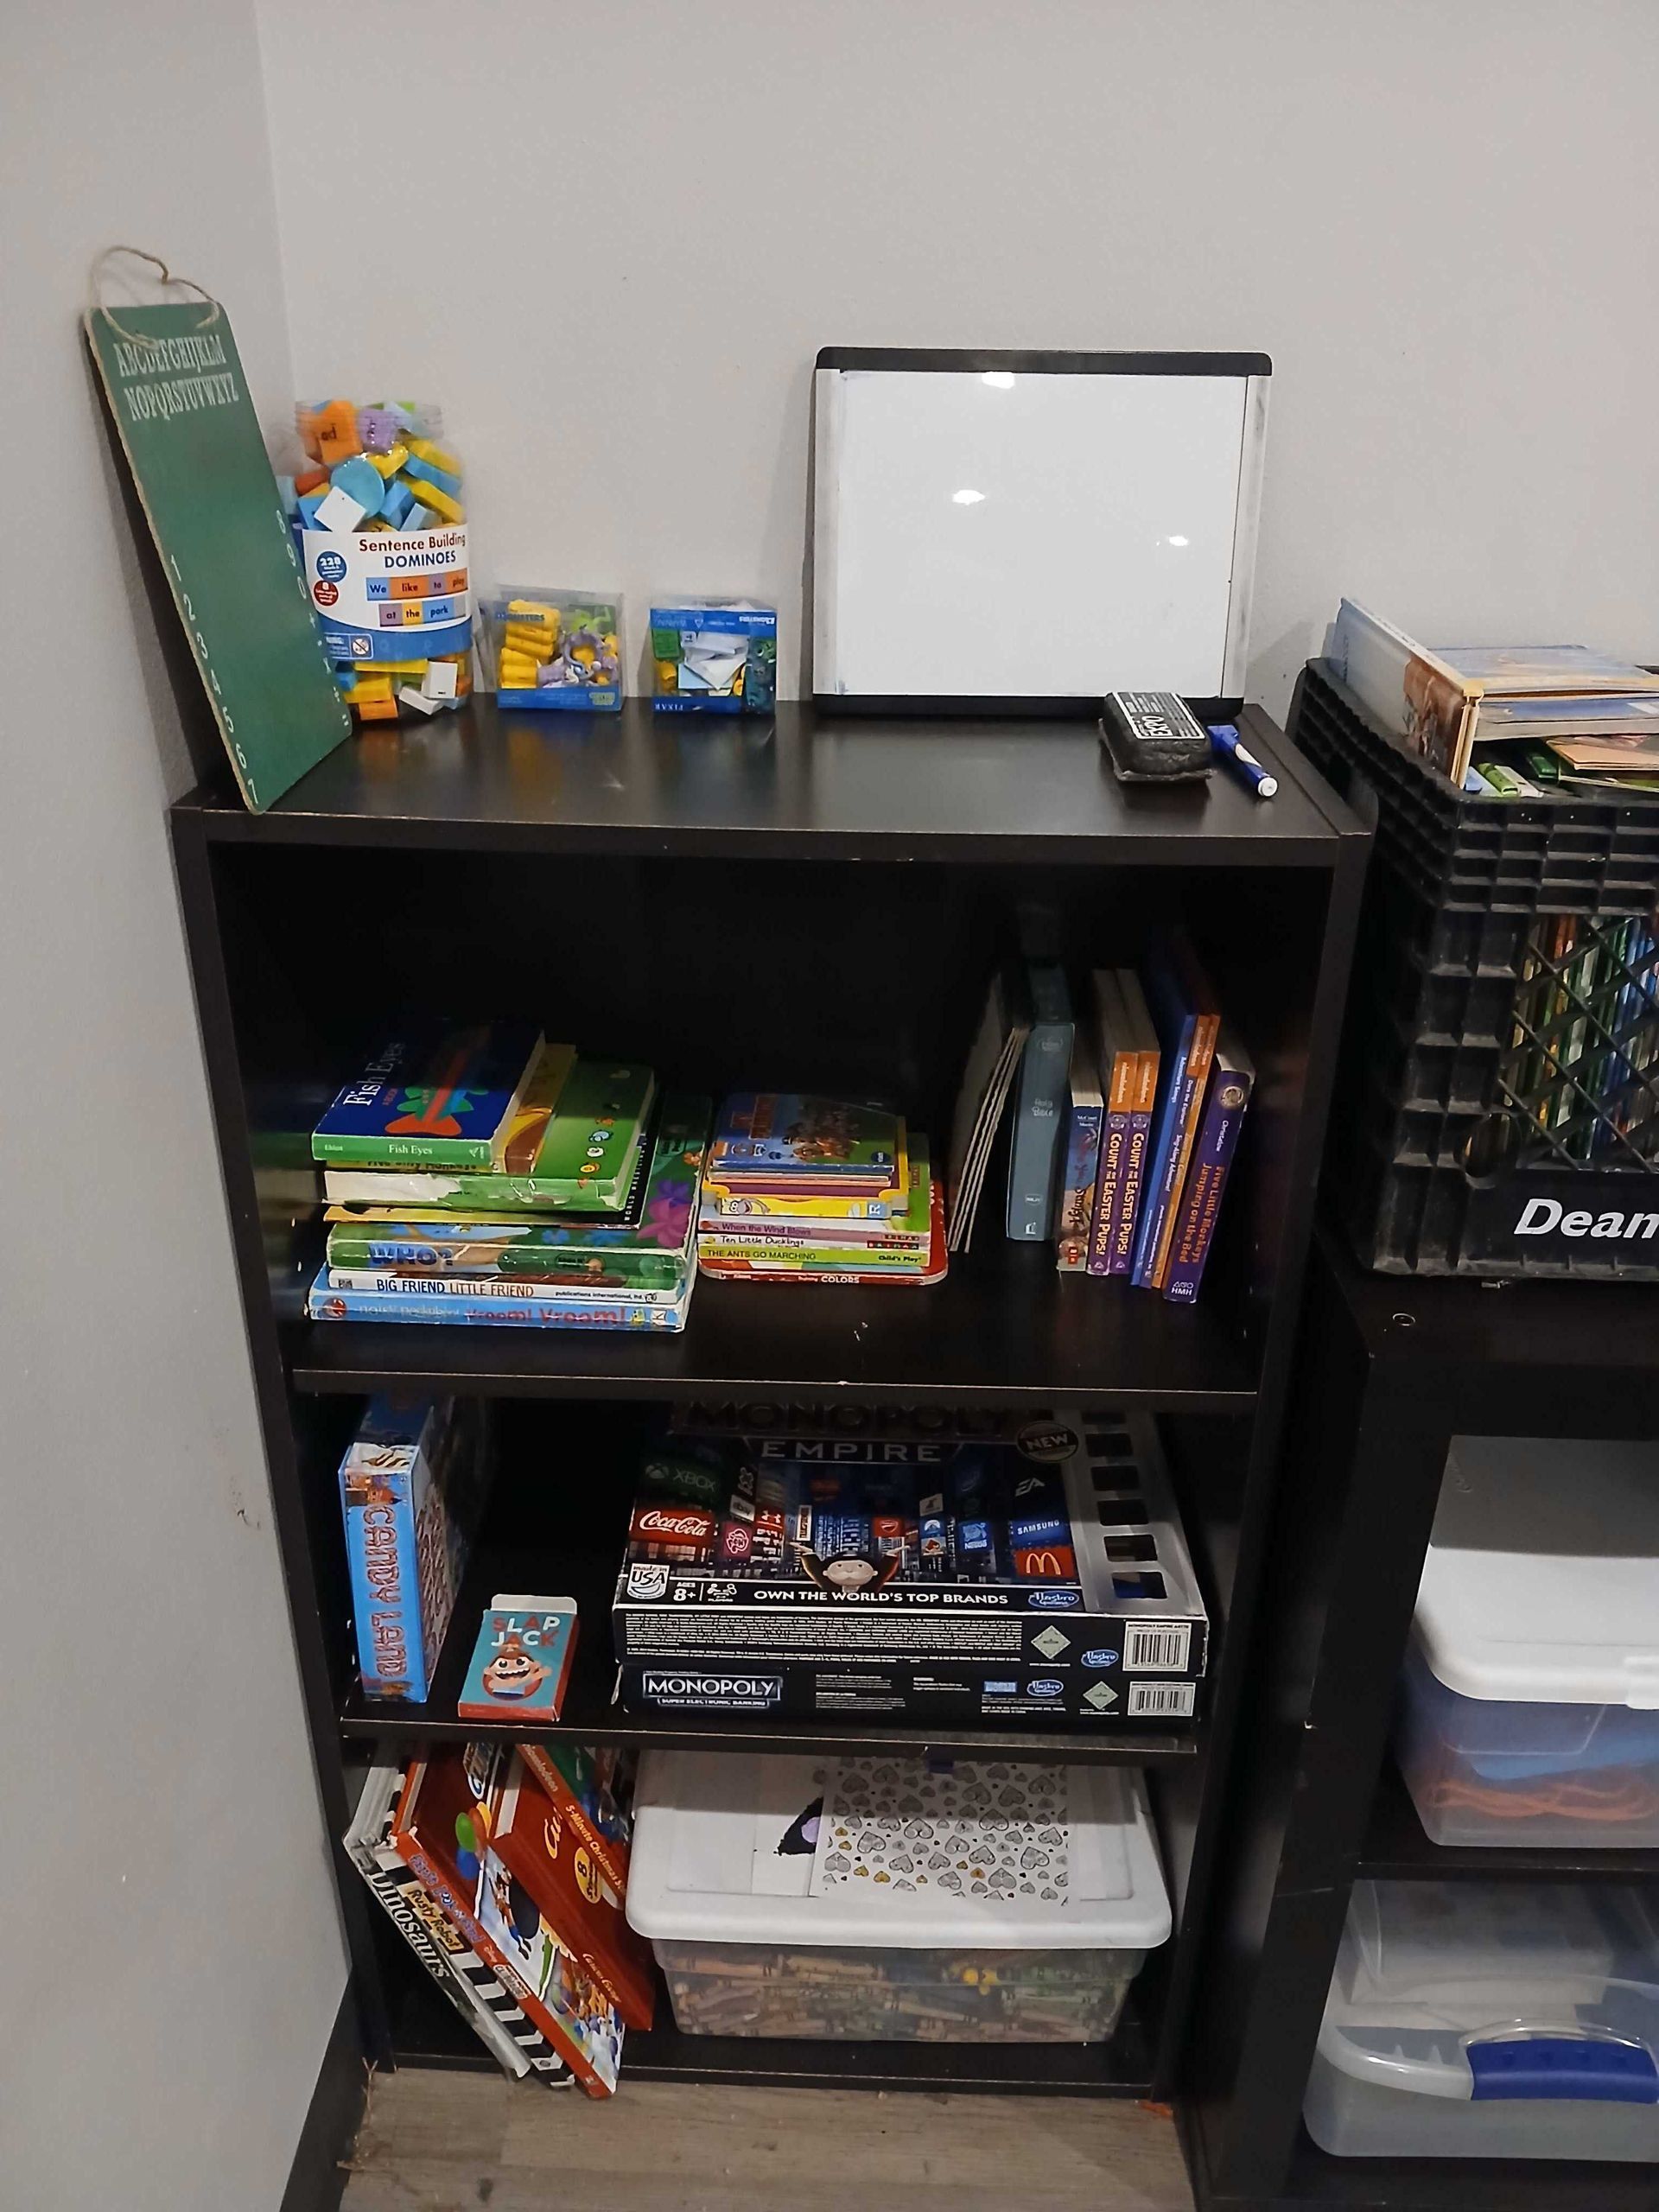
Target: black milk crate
[1498,1112]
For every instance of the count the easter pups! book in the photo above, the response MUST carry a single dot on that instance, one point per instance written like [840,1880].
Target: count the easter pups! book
[521,1662]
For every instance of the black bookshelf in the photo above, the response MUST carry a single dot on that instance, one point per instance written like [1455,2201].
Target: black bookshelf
[1388,1372]
[814,901]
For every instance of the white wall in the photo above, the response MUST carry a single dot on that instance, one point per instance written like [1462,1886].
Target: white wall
[613,241]
[172,1957]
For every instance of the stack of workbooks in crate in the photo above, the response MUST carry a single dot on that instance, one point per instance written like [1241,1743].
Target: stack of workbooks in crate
[482,1175]
[801,1189]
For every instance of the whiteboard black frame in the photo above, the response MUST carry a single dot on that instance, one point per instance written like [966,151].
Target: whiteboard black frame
[1255,369]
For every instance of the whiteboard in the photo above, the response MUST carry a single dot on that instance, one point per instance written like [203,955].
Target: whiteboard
[983,530]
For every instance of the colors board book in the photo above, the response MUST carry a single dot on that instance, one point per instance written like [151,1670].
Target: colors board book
[446,1097]
[842,1271]
[906,1238]
[756,1250]
[521,1662]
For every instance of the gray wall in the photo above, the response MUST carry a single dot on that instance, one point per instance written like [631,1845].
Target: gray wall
[1440,217]
[172,1958]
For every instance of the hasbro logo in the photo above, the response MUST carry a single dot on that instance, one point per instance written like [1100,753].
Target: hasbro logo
[331,566]
[1056,1601]
[1046,1686]
[1001,1689]
[1102,1658]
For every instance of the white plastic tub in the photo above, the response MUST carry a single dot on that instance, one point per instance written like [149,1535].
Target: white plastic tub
[1501,2020]
[1529,1710]
[720,1881]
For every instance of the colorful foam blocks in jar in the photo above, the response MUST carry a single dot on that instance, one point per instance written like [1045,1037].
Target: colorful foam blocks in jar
[377,476]
[556,649]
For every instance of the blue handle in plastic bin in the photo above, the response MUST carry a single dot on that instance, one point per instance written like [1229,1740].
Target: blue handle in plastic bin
[1590,2069]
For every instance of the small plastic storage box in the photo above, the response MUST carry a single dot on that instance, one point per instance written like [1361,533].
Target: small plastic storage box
[1530,1706]
[720,1879]
[1500,2020]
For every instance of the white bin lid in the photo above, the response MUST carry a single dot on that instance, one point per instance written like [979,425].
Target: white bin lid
[1542,1581]
[1426,1969]
[706,1867]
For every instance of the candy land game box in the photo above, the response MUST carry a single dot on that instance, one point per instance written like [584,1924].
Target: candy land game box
[920,1562]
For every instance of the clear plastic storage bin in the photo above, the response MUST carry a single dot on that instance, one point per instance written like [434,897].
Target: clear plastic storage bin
[1501,2020]
[720,1879]
[1529,1710]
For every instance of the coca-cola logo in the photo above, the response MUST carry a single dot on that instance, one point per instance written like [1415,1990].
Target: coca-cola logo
[657,1521]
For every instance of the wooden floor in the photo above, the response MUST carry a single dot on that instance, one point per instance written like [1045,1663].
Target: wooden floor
[442,2142]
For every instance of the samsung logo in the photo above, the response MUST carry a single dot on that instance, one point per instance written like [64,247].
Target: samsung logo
[1045,1686]
[1100,1658]
[1540,1217]
[1056,1601]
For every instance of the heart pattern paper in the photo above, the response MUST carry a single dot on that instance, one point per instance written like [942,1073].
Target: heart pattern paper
[979,1829]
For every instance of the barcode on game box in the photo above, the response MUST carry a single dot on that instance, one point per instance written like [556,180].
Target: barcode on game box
[1162,1701]
[1161,1650]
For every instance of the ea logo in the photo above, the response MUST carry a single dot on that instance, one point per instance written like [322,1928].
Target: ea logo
[332,565]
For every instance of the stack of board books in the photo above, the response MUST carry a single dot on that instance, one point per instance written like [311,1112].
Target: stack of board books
[802,1189]
[1157,1091]
[504,1867]
[484,1176]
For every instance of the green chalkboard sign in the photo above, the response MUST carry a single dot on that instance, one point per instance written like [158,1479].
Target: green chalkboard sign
[191,440]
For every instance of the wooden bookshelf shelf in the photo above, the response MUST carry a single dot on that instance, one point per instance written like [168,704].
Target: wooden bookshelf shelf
[1002,1324]
[814,903]
[580,1563]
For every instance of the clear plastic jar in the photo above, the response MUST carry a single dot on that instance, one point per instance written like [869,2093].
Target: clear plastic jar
[380,518]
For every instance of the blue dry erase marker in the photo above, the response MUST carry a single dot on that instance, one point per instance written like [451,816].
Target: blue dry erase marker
[1225,740]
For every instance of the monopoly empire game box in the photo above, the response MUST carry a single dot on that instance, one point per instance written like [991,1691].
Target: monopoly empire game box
[922,1563]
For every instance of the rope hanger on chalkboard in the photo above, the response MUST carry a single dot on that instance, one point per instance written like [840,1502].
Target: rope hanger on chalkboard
[94,286]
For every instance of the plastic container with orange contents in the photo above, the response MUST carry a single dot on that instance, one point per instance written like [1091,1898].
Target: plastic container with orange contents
[379,519]
[1529,1710]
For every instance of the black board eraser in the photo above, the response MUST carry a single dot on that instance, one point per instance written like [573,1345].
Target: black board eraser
[1154,737]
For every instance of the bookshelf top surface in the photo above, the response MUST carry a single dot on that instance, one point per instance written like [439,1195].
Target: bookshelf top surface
[802,785]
